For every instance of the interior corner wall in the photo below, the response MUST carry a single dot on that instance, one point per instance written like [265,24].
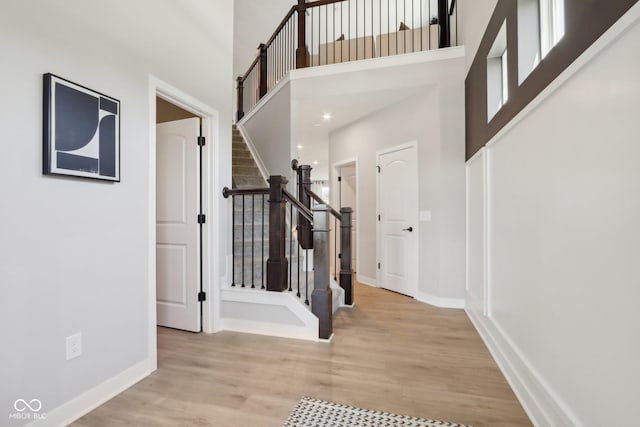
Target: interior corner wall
[75,252]
[425,118]
[553,212]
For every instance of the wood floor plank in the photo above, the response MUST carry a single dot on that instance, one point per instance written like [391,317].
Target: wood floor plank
[389,353]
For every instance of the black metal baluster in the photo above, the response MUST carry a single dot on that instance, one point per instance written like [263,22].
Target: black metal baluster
[335,248]
[326,33]
[342,32]
[397,33]
[388,27]
[233,241]
[306,261]
[298,245]
[413,28]
[422,27]
[312,46]
[404,19]
[335,44]
[262,240]
[243,206]
[429,26]
[290,245]
[253,243]
[373,54]
[357,1]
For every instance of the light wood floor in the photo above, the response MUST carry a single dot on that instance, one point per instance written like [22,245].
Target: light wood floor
[389,353]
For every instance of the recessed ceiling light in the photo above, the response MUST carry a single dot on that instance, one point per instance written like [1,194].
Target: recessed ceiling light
[326,116]
[315,162]
[300,147]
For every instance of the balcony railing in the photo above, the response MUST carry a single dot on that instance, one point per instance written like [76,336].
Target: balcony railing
[327,32]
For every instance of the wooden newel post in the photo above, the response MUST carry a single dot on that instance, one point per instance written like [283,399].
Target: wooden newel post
[302,53]
[346,269]
[321,297]
[305,235]
[277,264]
[262,70]
[240,111]
[443,20]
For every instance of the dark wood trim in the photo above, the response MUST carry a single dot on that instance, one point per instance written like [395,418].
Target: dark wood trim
[321,3]
[305,234]
[279,28]
[240,89]
[443,20]
[277,264]
[585,22]
[321,297]
[251,67]
[319,200]
[346,269]
[302,53]
[262,71]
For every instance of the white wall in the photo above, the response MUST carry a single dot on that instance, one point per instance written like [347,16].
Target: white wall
[268,131]
[75,252]
[556,273]
[254,22]
[435,118]
[473,17]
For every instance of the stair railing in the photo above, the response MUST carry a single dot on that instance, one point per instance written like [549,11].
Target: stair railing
[344,217]
[327,32]
[279,268]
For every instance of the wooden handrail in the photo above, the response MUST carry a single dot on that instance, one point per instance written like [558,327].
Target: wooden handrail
[318,3]
[318,199]
[226,191]
[299,206]
[453,6]
[288,16]
[251,67]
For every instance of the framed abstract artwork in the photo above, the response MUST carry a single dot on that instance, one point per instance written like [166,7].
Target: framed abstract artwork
[81,131]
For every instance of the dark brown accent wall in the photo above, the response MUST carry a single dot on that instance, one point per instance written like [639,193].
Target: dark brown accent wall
[585,22]
[168,112]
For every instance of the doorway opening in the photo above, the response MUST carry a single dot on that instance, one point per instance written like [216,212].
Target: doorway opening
[345,194]
[397,208]
[179,217]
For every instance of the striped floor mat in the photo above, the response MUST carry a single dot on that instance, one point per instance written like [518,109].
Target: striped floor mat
[311,412]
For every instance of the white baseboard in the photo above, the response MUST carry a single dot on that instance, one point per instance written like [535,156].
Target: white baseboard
[270,329]
[457,303]
[305,329]
[541,403]
[86,402]
[367,281]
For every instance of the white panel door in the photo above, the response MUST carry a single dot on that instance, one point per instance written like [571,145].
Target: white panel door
[348,194]
[177,229]
[398,209]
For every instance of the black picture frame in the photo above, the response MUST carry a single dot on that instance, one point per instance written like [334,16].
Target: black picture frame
[81,131]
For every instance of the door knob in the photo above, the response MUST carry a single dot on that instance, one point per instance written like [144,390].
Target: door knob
[410,229]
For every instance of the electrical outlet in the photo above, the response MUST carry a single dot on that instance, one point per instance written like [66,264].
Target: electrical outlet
[74,346]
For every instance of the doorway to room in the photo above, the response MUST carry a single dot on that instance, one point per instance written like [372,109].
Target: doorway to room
[179,217]
[346,195]
[397,202]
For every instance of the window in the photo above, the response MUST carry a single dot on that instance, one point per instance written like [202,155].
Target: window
[528,38]
[497,74]
[551,24]
[540,28]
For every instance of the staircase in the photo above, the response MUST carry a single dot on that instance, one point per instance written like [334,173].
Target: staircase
[251,233]
[245,170]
